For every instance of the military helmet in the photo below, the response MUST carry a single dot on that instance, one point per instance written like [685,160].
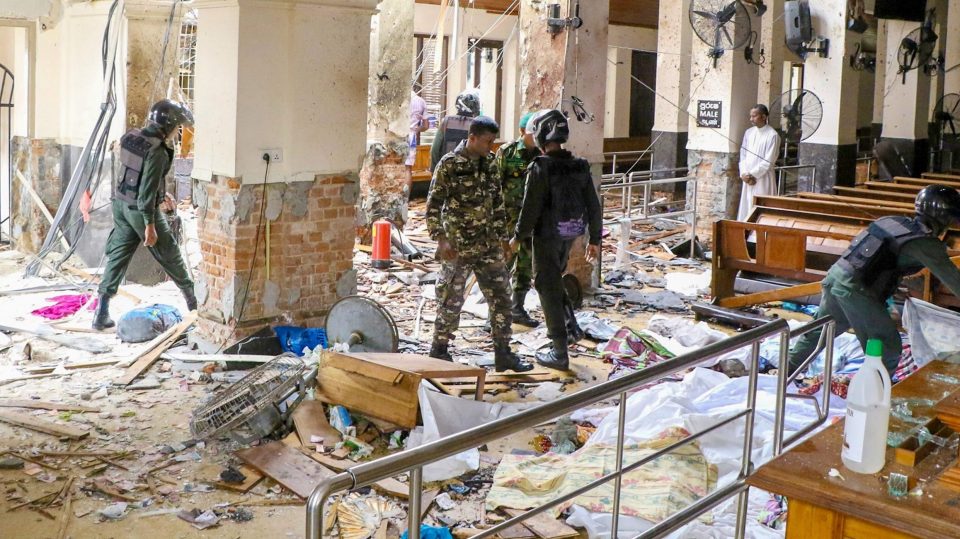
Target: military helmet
[169,114]
[938,207]
[549,126]
[468,104]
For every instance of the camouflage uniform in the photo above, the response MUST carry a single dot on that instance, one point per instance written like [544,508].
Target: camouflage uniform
[466,206]
[512,161]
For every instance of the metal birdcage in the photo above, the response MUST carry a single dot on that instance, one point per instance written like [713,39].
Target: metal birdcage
[255,403]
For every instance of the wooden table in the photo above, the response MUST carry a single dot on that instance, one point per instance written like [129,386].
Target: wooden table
[858,506]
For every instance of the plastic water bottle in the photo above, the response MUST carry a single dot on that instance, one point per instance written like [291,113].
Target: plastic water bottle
[868,414]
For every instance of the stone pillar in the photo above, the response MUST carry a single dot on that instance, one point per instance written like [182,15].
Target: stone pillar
[300,210]
[937,81]
[553,71]
[951,80]
[772,41]
[832,148]
[713,153]
[146,27]
[383,177]
[619,83]
[880,80]
[906,103]
[673,86]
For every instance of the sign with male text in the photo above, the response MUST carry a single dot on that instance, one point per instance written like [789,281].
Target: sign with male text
[709,113]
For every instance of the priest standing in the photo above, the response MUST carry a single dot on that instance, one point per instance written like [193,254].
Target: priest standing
[758,156]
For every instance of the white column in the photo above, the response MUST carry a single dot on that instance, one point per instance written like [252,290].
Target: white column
[771,40]
[906,102]
[951,82]
[619,83]
[670,122]
[880,78]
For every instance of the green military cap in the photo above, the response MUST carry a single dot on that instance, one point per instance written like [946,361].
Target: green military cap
[525,118]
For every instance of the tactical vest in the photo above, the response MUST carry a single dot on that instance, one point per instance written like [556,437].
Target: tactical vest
[567,179]
[134,147]
[455,130]
[872,256]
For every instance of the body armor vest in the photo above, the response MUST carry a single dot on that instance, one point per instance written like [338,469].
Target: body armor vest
[872,256]
[134,147]
[568,179]
[455,130]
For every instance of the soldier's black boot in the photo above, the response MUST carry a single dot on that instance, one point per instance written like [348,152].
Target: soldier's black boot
[191,299]
[505,360]
[440,350]
[557,357]
[101,319]
[520,315]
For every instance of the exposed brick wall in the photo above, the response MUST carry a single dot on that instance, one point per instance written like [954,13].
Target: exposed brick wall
[311,253]
[718,187]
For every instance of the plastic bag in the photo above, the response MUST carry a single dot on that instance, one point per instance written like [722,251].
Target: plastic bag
[147,323]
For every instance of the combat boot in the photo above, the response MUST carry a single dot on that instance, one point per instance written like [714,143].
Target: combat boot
[557,357]
[101,319]
[575,334]
[190,298]
[520,315]
[440,350]
[505,360]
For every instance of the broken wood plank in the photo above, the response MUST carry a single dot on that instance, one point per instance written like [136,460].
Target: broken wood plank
[387,486]
[47,369]
[102,486]
[87,344]
[252,478]
[790,292]
[290,468]
[151,354]
[544,526]
[224,358]
[45,405]
[309,419]
[372,390]
[42,426]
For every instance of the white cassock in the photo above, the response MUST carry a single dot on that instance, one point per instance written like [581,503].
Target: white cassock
[758,155]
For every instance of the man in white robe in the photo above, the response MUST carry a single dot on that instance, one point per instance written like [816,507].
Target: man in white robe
[758,156]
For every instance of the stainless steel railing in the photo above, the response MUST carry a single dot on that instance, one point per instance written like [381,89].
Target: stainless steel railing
[413,460]
[785,170]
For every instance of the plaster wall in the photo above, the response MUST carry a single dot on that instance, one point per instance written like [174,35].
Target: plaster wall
[279,97]
[905,104]
[829,77]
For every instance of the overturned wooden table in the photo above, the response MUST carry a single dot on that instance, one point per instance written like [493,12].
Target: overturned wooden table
[385,386]
[858,506]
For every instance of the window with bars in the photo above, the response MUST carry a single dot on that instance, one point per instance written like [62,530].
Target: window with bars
[186,75]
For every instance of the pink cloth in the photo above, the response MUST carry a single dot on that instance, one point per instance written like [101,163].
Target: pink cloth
[418,109]
[64,306]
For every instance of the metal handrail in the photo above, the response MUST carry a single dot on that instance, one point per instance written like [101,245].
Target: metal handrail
[413,460]
[781,169]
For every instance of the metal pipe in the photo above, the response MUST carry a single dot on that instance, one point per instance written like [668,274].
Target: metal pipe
[746,465]
[682,517]
[618,482]
[779,411]
[413,509]
[693,219]
[319,497]
[268,242]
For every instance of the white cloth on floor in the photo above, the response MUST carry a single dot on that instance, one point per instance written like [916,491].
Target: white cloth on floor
[758,155]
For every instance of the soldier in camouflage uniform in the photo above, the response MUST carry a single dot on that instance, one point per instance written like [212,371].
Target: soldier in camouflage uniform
[512,161]
[465,215]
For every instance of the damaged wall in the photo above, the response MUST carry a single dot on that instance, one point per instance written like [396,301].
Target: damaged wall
[383,177]
[38,160]
[310,265]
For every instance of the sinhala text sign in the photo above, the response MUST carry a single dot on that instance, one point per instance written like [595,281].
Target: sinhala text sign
[708,113]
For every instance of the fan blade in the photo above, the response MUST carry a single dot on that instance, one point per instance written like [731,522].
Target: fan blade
[953,128]
[705,15]
[728,12]
[953,109]
[729,39]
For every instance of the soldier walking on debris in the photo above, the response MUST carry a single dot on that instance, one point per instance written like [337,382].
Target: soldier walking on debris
[465,216]
[512,162]
[858,285]
[560,205]
[146,156]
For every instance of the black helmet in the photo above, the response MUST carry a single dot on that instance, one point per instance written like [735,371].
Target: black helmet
[938,207]
[468,104]
[169,114]
[550,126]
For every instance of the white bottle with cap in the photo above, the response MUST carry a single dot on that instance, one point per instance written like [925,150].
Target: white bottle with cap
[868,414]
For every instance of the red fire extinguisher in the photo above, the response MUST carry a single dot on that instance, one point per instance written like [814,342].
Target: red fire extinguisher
[381,244]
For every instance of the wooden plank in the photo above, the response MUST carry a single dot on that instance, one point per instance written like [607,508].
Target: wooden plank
[252,478]
[387,486]
[45,405]
[425,366]
[225,358]
[309,419]
[807,289]
[805,520]
[290,468]
[352,388]
[151,354]
[544,526]
[46,369]
[42,426]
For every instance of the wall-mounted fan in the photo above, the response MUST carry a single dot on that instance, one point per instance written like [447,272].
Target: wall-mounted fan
[721,24]
[946,115]
[915,50]
[796,115]
[799,30]
[862,59]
